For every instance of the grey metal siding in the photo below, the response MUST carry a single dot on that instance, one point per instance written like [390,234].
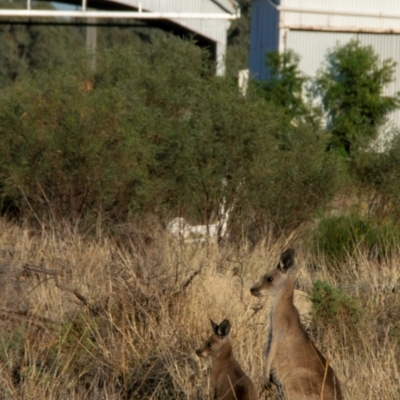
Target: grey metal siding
[212,29]
[364,15]
[386,46]
[313,47]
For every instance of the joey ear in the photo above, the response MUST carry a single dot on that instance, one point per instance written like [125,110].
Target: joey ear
[224,328]
[286,261]
[214,326]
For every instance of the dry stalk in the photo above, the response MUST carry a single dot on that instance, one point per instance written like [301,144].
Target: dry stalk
[55,275]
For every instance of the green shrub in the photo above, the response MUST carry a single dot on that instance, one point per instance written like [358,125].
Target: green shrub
[351,86]
[378,174]
[146,134]
[337,238]
[340,237]
[335,310]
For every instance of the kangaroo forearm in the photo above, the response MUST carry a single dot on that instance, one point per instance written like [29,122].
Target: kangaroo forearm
[269,361]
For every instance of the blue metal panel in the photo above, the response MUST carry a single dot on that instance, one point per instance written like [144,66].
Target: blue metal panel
[264,36]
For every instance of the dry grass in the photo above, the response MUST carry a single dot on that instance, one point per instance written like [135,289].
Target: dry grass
[84,318]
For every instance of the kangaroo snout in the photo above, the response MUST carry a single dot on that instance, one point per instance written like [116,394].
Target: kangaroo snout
[199,352]
[254,291]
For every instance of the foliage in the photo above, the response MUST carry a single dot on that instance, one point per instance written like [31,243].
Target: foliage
[28,47]
[336,310]
[300,181]
[284,87]
[237,54]
[149,134]
[25,48]
[352,86]
[338,238]
[378,174]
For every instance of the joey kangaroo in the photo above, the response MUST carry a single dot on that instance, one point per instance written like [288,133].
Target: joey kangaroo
[228,380]
[293,363]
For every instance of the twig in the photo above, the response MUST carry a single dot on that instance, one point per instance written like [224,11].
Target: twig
[190,278]
[27,314]
[55,274]
[31,208]
[323,382]
[46,199]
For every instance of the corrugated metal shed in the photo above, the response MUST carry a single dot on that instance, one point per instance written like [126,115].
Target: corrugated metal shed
[206,20]
[313,27]
[341,15]
[214,30]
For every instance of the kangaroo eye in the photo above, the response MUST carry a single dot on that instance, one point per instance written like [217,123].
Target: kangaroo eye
[270,279]
[209,344]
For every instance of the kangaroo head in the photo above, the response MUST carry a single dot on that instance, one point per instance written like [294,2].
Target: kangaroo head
[273,281]
[217,341]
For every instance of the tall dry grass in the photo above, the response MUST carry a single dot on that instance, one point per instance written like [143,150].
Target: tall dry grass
[99,318]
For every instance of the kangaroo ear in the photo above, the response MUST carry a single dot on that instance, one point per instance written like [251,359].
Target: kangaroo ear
[214,326]
[224,328]
[287,260]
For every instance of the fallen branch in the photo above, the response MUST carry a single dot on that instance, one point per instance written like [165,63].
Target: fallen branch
[55,275]
[35,319]
[188,280]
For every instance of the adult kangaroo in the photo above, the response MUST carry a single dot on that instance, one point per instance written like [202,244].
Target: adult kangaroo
[229,382]
[293,363]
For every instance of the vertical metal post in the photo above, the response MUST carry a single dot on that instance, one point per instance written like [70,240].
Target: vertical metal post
[243,81]
[29,4]
[91,42]
[220,54]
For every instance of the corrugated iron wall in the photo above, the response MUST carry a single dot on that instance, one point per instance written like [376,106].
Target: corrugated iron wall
[335,19]
[312,35]
[313,46]
[212,29]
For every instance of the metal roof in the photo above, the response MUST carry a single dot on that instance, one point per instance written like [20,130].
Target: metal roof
[208,20]
[230,6]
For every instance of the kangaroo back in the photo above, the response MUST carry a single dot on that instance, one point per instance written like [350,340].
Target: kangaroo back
[229,382]
[293,363]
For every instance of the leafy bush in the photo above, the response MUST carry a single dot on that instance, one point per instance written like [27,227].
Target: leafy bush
[149,134]
[351,86]
[378,174]
[285,85]
[339,237]
[333,308]
[301,179]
